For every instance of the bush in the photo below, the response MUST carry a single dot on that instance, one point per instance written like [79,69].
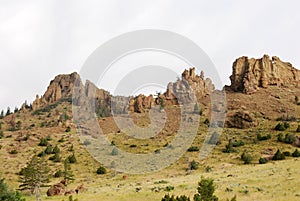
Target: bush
[280,137]
[27,137]
[55,150]
[115,151]
[280,127]
[298,129]
[169,188]
[262,161]
[55,158]
[1,134]
[286,153]
[7,194]
[296,153]
[286,125]
[48,138]
[286,118]
[58,174]
[173,198]
[206,189]
[48,149]
[193,149]
[41,154]
[229,147]
[61,140]
[263,137]
[72,159]
[247,158]
[71,148]
[206,122]
[194,165]
[132,146]
[101,170]
[157,151]
[13,151]
[68,129]
[43,142]
[238,143]
[289,138]
[278,156]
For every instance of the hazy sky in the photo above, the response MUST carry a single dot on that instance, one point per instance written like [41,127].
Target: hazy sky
[40,39]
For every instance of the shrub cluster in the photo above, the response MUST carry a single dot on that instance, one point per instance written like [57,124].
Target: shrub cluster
[193,149]
[289,138]
[282,126]
[296,153]
[263,137]
[262,161]
[247,158]
[229,147]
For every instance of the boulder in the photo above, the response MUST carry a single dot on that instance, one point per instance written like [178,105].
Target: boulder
[57,189]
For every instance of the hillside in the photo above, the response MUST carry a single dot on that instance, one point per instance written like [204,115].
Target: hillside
[262,95]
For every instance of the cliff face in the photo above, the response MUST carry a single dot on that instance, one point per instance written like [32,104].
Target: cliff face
[248,75]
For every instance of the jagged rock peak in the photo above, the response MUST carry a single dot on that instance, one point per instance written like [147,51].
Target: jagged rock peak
[249,74]
[60,87]
[182,91]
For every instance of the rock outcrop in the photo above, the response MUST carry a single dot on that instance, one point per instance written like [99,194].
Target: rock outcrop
[182,91]
[57,189]
[61,87]
[240,119]
[250,74]
[141,103]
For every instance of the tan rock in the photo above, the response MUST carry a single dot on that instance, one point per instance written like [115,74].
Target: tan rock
[240,119]
[248,75]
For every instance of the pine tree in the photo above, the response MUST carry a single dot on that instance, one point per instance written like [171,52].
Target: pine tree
[7,194]
[1,114]
[8,111]
[56,150]
[206,189]
[67,173]
[34,176]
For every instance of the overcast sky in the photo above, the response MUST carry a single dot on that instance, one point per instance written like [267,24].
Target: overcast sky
[40,39]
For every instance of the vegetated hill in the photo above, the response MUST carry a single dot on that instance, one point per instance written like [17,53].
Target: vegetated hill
[262,94]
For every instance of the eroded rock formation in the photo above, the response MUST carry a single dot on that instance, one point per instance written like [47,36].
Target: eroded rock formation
[184,90]
[249,74]
[60,87]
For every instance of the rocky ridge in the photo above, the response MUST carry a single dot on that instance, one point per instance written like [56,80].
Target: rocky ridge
[249,74]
